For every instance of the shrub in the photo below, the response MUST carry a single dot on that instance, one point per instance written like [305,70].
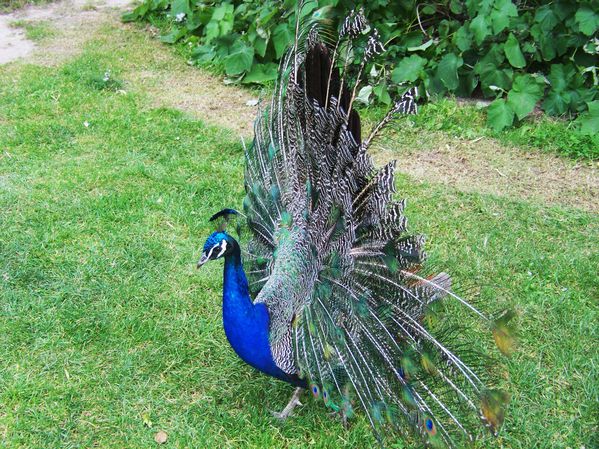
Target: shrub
[519,54]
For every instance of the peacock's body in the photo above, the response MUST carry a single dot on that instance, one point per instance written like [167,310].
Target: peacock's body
[336,298]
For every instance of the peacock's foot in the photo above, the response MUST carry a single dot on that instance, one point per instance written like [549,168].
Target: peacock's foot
[293,402]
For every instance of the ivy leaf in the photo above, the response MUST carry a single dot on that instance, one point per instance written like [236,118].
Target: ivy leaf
[239,60]
[180,7]
[587,20]
[546,18]
[281,38]
[556,102]
[468,83]
[408,69]
[173,36]
[203,54]
[421,47]
[547,44]
[560,76]
[456,7]
[364,94]
[221,22]
[260,45]
[589,121]
[463,38]
[526,91]
[261,73]
[429,10]
[480,29]
[382,93]
[500,16]
[513,53]
[447,70]
[139,12]
[499,115]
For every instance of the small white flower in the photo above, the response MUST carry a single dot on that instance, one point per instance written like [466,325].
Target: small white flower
[106,76]
[86,124]
[179,17]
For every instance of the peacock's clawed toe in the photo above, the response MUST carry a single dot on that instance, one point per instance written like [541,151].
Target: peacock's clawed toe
[293,402]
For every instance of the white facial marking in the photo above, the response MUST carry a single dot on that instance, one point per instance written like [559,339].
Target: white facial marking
[210,252]
[223,246]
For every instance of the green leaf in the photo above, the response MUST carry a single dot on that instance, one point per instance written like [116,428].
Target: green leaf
[221,22]
[463,38]
[260,45]
[500,115]
[428,10]
[526,91]
[282,37]
[456,7]
[587,20]
[556,103]
[240,59]
[382,93]
[513,53]
[421,47]
[261,73]
[173,36]
[468,83]
[480,29]
[546,18]
[203,53]
[408,69]
[447,70]
[547,45]
[364,94]
[139,12]
[589,121]
[500,16]
[180,6]
[560,76]
[506,7]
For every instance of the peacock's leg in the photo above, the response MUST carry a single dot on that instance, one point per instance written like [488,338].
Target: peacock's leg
[293,402]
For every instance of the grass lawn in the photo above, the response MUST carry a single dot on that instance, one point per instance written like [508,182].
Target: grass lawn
[109,334]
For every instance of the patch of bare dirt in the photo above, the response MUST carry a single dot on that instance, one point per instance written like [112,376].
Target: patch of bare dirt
[74,20]
[170,82]
[483,165]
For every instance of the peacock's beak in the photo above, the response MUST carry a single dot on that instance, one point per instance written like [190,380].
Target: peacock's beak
[203,260]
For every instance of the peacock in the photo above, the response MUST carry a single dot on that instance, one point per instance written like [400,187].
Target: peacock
[330,294]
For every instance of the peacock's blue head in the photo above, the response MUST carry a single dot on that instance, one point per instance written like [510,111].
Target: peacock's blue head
[218,244]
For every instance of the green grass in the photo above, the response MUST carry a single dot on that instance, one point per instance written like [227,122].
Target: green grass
[109,334]
[35,31]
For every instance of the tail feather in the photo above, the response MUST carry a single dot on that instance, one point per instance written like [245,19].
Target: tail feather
[332,260]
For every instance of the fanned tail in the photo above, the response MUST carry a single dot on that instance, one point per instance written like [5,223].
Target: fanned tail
[331,258]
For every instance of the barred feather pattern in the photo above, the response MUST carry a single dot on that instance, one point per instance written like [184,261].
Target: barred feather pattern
[331,259]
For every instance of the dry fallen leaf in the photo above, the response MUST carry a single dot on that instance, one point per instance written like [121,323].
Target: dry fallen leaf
[161,437]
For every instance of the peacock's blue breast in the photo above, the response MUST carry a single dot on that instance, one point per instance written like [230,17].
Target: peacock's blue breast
[247,327]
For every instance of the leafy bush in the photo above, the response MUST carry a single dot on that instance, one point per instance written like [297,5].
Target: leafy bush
[520,54]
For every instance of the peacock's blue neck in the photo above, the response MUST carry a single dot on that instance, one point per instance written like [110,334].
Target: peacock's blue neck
[246,324]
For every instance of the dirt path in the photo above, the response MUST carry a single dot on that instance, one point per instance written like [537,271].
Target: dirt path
[480,165]
[70,16]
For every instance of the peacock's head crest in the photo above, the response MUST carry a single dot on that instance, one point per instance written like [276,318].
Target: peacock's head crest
[219,243]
